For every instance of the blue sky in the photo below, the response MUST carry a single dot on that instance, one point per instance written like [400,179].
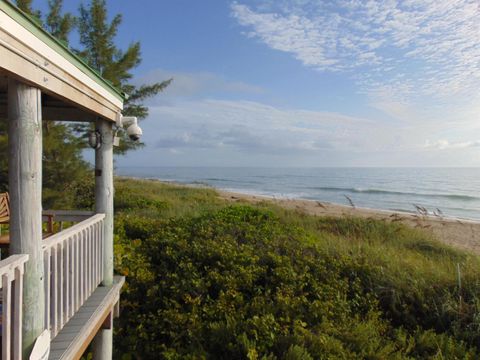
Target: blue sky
[307,83]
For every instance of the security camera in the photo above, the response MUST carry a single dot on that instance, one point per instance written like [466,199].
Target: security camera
[134,131]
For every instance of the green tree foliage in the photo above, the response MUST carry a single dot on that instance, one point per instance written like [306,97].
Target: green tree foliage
[58,24]
[62,157]
[208,280]
[26,6]
[62,150]
[62,163]
[97,36]
[97,40]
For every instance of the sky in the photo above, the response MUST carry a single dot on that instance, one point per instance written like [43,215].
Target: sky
[306,83]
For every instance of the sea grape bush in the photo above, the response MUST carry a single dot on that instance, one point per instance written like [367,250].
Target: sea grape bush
[243,282]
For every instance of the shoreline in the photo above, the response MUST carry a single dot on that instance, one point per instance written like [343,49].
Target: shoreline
[458,232]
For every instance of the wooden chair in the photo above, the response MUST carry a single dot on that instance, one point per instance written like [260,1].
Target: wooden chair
[4,208]
[5,219]
[4,216]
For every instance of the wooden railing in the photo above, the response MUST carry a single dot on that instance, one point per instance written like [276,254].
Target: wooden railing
[60,217]
[11,272]
[73,261]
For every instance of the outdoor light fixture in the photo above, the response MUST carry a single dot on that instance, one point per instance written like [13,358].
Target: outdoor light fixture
[134,131]
[95,139]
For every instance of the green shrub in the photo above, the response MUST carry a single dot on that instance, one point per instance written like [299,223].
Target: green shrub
[241,282]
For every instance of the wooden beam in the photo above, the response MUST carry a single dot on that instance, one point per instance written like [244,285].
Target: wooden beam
[25,188]
[116,309]
[33,64]
[24,40]
[108,322]
[67,114]
[50,113]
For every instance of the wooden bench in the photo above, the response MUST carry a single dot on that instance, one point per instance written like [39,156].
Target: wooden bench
[5,219]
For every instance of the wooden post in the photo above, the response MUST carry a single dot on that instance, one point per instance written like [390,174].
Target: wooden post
[102,344]
[25,187]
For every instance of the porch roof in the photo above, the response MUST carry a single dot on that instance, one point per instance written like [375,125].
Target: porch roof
[72,89]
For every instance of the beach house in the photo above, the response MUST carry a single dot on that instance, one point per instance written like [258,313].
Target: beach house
[59,293]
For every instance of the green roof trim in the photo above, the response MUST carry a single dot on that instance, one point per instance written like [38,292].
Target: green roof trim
[36,29]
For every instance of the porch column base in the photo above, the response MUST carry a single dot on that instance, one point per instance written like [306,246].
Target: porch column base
[102,345]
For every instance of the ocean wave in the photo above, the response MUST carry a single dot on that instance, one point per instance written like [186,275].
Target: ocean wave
[236,181]
[218,179]
[388,192]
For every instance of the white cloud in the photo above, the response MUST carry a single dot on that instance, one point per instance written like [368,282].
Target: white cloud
[198,84]
[237,132]
[254,127]
[405,55]
[445,144]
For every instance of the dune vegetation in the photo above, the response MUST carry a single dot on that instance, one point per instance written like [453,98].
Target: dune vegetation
[211,279]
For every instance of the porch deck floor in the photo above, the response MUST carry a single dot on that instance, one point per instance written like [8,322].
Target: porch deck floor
[73,339]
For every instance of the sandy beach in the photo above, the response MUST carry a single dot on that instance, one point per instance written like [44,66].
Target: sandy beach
[463,234]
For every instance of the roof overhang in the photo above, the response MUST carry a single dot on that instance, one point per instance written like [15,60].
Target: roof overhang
[30,54]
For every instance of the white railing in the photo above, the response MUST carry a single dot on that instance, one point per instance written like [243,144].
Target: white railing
[73,261]
[11,272]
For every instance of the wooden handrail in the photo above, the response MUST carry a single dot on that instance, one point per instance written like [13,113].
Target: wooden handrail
[66,215]
[11,263]
[59,237]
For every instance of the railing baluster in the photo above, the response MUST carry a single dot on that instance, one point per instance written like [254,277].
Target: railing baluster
[84,261]
[54,300]
[18,313]
[77,272]
[11,283]
[82,267]
[92,262]
[89,260]
[6,315]
[74,274]
[85,258]
[102,248]
[66,278]
[92,255]
[60,284]
[47,276]
[71,278]
[97,254]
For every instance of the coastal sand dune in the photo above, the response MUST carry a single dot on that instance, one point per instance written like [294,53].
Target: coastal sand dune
[463,234]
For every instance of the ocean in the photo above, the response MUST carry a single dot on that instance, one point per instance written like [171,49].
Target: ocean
[453,192]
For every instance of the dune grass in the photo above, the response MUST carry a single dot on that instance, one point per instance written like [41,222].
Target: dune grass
[210,279]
